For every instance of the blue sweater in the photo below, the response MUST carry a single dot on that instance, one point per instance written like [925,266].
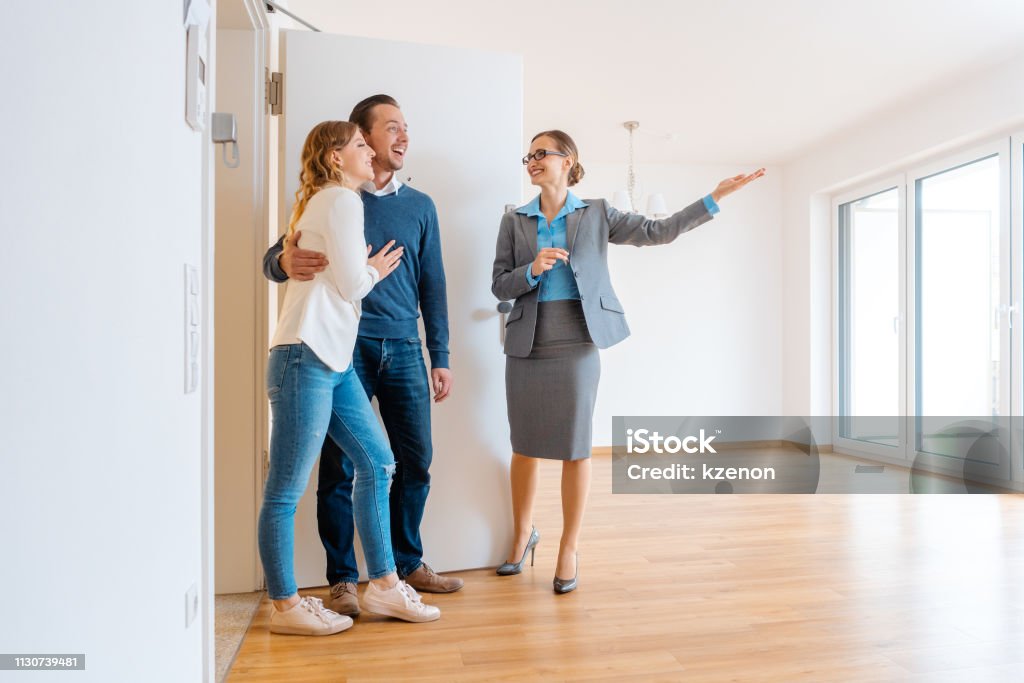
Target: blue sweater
[391,309]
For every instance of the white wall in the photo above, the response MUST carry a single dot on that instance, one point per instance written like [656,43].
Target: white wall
[705,311]
[981,106]
[100,491]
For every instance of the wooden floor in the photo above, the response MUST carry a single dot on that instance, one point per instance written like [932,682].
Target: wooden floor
[713,588]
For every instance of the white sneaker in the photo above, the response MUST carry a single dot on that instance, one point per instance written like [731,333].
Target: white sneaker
[402,602]
[308,617]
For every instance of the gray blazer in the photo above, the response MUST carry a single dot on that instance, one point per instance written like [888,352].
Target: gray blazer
[588,231]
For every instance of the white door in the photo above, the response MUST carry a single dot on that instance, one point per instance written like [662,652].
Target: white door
[464,110]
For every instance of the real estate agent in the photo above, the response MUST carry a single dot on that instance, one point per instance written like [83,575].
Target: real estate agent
[551,258]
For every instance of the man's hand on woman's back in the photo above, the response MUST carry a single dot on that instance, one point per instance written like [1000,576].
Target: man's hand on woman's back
[300,264]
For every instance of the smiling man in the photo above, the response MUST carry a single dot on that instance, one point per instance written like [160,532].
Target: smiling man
[388,358]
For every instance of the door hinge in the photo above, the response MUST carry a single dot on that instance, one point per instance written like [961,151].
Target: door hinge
[274,87]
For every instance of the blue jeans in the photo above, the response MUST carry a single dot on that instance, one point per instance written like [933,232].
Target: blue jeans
[309,401]
[393,371]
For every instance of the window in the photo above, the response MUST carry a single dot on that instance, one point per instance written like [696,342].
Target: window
[869,301]
[959,277]
[925,306]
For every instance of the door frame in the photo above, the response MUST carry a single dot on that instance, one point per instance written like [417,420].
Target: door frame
[257,146]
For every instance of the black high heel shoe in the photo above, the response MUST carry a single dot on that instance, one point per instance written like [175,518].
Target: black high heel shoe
[511,568]
[568,585]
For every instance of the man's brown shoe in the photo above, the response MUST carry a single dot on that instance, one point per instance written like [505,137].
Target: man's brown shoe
[425,580]
[344,600]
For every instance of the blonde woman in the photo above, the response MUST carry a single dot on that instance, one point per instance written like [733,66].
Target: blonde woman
[314,392]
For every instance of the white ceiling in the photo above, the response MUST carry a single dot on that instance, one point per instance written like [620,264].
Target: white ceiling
[736,81]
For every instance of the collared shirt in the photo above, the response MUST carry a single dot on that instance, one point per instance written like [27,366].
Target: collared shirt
[559,283]
[390,188]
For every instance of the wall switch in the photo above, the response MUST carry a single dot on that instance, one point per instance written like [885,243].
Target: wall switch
[193,328]
[191,604]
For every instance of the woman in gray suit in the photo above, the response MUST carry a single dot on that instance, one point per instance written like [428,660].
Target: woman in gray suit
[551,258]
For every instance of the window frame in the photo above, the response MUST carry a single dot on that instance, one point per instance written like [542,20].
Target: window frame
[1015,317]
[855,446]
[1010,152]
[948,162]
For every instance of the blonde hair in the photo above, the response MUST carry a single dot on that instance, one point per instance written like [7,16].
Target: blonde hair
[317,168]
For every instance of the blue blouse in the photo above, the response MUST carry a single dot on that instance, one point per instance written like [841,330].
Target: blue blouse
[559,283]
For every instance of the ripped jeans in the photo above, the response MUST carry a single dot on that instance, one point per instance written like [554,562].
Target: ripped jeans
[309,401]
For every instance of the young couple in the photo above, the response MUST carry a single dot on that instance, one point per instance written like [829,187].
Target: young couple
[348,331]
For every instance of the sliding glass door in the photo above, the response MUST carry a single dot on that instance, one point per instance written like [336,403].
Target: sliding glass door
[960,289]
[928,274]
[959,280]
[870,330]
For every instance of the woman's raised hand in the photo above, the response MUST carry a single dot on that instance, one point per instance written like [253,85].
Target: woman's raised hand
[546,260]
[385,261]
[730,185]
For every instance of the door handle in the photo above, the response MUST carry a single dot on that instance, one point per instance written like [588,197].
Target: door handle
[503,308]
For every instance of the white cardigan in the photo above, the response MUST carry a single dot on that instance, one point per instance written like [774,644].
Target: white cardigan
[324,312]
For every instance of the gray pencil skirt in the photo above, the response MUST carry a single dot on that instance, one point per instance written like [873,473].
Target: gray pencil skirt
[551,393]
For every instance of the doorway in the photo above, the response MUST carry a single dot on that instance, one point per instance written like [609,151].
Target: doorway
[240,322]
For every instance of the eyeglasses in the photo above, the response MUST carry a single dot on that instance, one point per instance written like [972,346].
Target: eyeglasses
[540,154]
